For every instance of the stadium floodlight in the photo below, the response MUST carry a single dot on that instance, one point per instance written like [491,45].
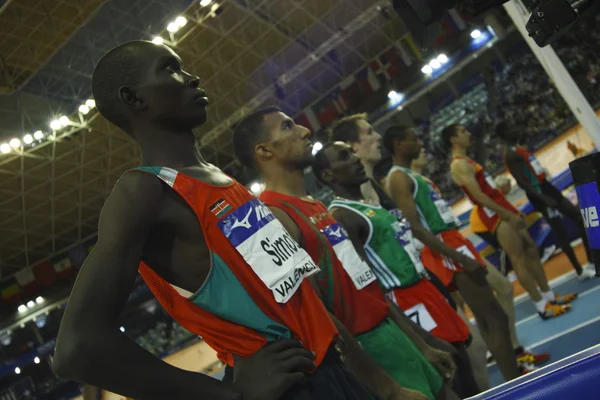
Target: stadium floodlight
[476,33]
[39,299]
[22,308]
[30,304]
[392,95]
[435,64]
[255,187]
[38,135]
[91,103]
[84,109]
[442,58]
[172,27]
[28,139]
[317,147]
[15,143]
[157,40]
[64,120]
[204,3]
[36,360]
[17,370]
[180,21]
[55,125]
[427,70]
[4,148]
[122,329]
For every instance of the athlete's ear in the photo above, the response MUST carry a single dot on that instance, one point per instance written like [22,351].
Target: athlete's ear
[263,151]
[327,176]
[130,98]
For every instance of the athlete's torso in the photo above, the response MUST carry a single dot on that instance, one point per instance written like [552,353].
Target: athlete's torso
[434,212]
[207,265]
[485,181]
[349,287]
[390,245]
[533,170]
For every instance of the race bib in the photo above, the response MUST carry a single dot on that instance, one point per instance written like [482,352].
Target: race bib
[488,212]
[280,263]
[490,181]
[535,164]
[355,267]
[405,237]
[442,207]
[464,250]
[420,316]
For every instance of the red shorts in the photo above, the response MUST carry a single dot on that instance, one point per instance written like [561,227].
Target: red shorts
[490,218]
[444,267]
[426,306]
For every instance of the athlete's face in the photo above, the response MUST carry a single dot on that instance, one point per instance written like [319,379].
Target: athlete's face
[421,161]
[410,147]
[463,137]
[345,167]
[166,94]
[289,143]
[369,146]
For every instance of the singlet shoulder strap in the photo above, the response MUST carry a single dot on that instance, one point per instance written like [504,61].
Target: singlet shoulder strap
[410,174]
[165,174]
[345,205]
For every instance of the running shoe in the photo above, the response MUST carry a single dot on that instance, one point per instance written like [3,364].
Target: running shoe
[554,310]
[586,274]
[528,357]
[561,300]
[526,368]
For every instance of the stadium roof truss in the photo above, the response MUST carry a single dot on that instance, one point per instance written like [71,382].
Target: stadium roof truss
[247,53]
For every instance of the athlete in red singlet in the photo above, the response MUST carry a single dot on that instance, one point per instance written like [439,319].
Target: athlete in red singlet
[214,256]
[542,195]
[502,219]
[269,141]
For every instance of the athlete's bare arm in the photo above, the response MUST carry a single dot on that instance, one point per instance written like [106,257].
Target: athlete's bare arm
[463,174]
[516,165]
[90,347]
[359,362]
[401,190]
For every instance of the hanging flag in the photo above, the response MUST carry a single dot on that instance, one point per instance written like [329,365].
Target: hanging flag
[351,92]
[10,290]
[25,277]
[338,100]
[78,254]
[409,50]
[279,93]
[368,80]
[325,111]
[454,20]
[387,65]
[63,267]
[44,274]
[335,60]
[309,120]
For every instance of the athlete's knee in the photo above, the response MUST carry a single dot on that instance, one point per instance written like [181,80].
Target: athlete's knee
[496,315]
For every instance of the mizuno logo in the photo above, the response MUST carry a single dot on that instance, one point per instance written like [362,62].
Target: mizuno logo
[245,223]
[590,217]
[336,233]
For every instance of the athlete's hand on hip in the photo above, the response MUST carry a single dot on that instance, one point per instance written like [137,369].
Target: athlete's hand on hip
[271,371]
[443,363]
[516,221]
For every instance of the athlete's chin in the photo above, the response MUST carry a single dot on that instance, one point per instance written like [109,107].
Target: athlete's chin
[200,118]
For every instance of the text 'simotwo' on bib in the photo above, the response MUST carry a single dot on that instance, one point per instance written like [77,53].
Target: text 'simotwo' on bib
[273,255]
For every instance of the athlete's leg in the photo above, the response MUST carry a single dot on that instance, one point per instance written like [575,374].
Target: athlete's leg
[465,376]
[535,264]
[477,350]
[562,237]
[572,212]
[491,320]
[515,250]
[506,297]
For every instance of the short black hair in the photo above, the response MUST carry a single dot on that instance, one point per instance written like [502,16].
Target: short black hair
[121,66]
[448,133]
[382,168]
[502,129]
[248,133]
[395,132]
[321,163]
[346,130]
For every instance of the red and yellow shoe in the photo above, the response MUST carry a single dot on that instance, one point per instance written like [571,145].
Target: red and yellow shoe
[526,368]
[526,357]
[554,310]
[561,300]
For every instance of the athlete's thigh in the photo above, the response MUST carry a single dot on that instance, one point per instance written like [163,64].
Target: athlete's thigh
[510,240]
[497,281]
[478,295]
[528,241]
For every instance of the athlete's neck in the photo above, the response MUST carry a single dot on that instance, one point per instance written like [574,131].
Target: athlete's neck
[459,151]
[417,169]
[401,161]
[169,149]
[285,181]
[348,192]
[369,167]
